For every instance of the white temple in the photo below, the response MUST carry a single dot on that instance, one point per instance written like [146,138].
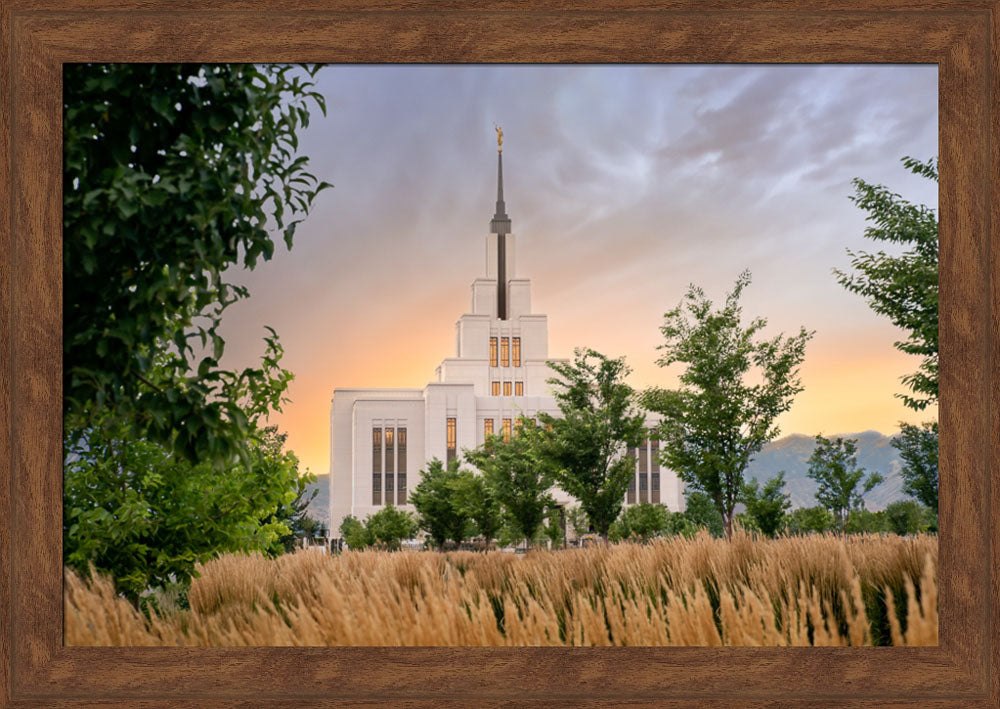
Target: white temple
[380,439]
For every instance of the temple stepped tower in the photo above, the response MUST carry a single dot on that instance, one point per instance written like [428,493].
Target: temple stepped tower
[380,439]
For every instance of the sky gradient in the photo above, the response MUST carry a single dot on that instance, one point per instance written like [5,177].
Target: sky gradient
[624,185]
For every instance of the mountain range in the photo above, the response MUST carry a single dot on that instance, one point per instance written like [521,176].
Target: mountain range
[791,454]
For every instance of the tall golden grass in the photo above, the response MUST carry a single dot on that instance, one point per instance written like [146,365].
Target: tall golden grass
[818,590]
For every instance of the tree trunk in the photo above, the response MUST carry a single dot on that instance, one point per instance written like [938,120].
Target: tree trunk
[728,519]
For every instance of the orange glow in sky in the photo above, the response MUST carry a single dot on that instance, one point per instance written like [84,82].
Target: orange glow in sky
[624,185]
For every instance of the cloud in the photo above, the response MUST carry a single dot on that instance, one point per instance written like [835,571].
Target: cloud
[624,183]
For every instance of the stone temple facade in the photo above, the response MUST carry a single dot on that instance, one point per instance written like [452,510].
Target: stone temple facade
[380,439]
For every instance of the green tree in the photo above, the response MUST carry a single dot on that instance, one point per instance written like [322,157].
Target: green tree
[679,524]
[810,520]
[862,521]
[477,500]
[641,522]
[904,287]
[577,520]
[918,449]
[834,466]
[908,517]
[703,512]
[355,534]
[172,174]
[303,527]
[390,526]
[441,515]
[600,420]
[514,475]
[715,424]
[552,529]
[137,511]
[767,506]
[295,514]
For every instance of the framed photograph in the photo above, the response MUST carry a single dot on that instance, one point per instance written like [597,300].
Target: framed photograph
[954,44]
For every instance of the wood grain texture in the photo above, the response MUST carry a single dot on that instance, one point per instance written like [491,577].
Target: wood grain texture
[38,35]
[492,36]
[703,7]
[993,382]
[964,350]
[6,577]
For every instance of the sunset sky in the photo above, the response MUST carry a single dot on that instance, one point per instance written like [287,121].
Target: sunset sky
[624,185]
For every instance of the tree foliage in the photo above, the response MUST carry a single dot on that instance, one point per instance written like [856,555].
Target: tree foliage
[641,522]
[909,517]
[834,466]
[552,528]
[585,448]
[714,424]
[172,175]
[810,520]
[905,287]
[478,500]
[703,512]
[355,534]
[137,511]
[576,520]
[441,514]
[918,449]
[295,514]
[390,526]
[863,521]
[767,506]
[514,476]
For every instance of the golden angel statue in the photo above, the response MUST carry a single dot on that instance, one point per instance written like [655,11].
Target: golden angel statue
[499,131]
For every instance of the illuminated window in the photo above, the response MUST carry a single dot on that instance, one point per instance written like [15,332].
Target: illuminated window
[487,427]
[506,388]
[401,466]
[389,457]
[506,429]
[518,388]
[516,354]
[493,351]
[451,439]
[376,466]
[505,352]
[496,388]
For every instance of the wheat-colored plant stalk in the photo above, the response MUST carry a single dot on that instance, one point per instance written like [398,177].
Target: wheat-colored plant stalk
[818,590]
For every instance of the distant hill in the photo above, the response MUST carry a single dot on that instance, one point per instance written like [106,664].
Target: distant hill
[319,508]
[791,454]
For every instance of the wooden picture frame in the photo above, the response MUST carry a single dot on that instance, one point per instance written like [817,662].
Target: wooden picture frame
[38,36]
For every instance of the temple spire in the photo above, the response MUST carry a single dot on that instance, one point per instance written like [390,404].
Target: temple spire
[500,225]
[501,222]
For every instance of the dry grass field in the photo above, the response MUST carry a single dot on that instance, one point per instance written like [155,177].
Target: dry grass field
[819,590]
